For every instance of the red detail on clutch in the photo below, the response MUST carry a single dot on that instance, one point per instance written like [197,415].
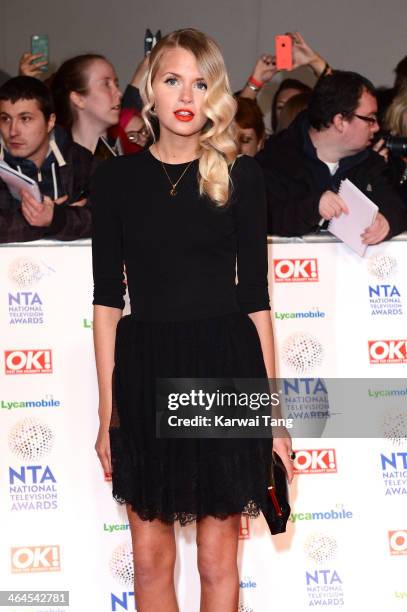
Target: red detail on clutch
[273,496]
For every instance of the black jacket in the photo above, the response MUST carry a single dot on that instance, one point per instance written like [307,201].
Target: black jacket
[67,173]
[295,180]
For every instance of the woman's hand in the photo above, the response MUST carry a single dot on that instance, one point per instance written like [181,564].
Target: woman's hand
[102,448]
[29,67]
[263,72]
[105,320]
[265,68]
[303,55]
[282,445]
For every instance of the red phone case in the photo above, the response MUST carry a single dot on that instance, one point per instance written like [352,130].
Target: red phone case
[284,52]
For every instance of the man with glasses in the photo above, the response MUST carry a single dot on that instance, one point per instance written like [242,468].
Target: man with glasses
[330,142]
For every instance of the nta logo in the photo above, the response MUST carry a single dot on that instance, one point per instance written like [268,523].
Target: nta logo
[321,547]
[30,439]
[383,291]
[302,352]
[121,564]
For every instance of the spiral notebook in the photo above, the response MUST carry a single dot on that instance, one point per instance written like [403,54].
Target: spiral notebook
[17,181]
[362,213]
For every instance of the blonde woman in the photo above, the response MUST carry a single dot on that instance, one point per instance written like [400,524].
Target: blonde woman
[178,215]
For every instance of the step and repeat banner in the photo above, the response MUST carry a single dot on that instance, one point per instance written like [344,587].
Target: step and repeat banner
[336,316]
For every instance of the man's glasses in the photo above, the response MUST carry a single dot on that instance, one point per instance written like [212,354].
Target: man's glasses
[369,120]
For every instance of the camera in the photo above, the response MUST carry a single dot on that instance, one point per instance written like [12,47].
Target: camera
[397,145]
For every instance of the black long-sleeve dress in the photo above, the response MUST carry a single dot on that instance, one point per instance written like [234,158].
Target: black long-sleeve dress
[189,319]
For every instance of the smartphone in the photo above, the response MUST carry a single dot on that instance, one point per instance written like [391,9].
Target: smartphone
[39,44]
[150,40]
[284,52]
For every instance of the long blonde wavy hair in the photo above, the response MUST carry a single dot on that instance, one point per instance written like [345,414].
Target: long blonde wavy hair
[217,143]
[395,118]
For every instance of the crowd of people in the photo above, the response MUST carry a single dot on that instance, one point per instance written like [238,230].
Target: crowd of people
[176,214]
[58,130]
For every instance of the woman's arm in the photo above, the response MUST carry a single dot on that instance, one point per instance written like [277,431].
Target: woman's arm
[304,55]
[109,289]
[282,443]
[105,320]
[263,72]
[252,288]
[131,97]
[262,321]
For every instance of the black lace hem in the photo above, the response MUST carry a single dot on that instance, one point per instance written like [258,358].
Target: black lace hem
[251,510]
[171,489]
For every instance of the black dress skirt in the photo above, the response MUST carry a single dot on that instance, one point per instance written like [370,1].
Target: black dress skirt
[190,320]
[183,479]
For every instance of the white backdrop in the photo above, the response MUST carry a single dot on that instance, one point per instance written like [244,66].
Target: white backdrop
[346,542]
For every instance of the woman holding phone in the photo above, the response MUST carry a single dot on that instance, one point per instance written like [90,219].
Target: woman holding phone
[186,209]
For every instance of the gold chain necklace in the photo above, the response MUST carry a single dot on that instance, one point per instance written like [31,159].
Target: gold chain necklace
[173,190]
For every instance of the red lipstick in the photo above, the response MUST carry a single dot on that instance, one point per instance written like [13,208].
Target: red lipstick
[184,114]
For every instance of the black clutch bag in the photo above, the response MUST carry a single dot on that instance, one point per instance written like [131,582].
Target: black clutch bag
[278,509]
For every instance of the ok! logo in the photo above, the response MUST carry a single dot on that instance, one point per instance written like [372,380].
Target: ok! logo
[27,559]
[398,542]
[388,351]
[295,270]
[315,461]
[28,361]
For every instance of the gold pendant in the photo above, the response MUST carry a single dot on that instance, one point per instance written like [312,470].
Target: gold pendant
[173,191]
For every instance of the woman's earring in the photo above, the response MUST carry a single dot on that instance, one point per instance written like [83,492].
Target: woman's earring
[152,110]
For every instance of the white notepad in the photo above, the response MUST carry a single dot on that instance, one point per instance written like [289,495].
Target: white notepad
[362,213]
[16,182]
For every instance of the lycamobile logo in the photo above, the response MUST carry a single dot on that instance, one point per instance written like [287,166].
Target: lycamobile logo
[111,527]
[42,403]
[318,516]
[387,392]
[307,314]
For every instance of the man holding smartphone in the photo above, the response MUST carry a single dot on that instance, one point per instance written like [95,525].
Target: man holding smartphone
[31,145]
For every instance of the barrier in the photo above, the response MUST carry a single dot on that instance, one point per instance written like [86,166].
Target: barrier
[335,316]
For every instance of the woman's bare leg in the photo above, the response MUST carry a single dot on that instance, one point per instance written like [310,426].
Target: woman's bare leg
[154,555]
[217,542]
